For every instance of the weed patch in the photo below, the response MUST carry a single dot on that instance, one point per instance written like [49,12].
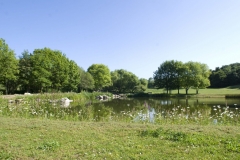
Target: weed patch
[49,146]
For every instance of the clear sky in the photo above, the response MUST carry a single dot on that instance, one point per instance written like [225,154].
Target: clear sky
[135,35]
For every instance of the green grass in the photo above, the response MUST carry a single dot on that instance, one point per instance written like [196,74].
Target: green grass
[208,91]
[54,139]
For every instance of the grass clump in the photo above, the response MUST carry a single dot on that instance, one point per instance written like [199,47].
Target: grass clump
[49,146]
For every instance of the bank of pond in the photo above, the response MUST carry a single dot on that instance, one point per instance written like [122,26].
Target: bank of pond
[158,110]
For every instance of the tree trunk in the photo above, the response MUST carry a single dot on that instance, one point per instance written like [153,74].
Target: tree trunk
[186,91]
[6,88]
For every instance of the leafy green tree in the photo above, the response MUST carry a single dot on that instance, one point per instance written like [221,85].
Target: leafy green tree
[195,75]
[61,70]
[178,71]
[189,75]
[73,76]
[86,81]
[165,76]
[25,71]
[50,70]
[150,83]
[227,75]
[101,75]
[8,67]
[124,81]
[202,76]
[41,71]
[143,83]
[132,82]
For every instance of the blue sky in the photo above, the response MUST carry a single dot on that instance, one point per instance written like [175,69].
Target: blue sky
[135,35]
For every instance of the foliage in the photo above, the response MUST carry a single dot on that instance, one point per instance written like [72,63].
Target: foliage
[86,80]
[73,77]
[124,81]
[169,75]
[227,75]
[150,83]
[101,75]
[8,67]
[25,71]
[174,75]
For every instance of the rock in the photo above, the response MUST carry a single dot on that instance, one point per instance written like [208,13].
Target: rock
[65,102]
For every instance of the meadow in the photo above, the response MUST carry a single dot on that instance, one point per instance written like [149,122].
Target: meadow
[59,139]
[216,92]
[37,129]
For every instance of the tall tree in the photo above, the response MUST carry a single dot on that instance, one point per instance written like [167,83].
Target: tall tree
[178,72]
[8,66]
[150,83]
[195,75]
[60,68]
[73,76]
[189,75]
[101,75]
[86,81]
[41,71]
[25,71]
[202,76]
[124,81]
[165,76]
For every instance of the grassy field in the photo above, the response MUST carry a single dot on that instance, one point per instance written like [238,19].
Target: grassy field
[202,92]
[54,139]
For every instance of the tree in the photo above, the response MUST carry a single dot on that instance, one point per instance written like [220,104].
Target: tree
[189,75]
[178,72]
[150,83]
[202,76]
[25,71]
[227,75]
[41,69]
[195,75]
[86,80]
[101,75]
[143,83]
[73,77]
[50,70]
[61,69]
[124,81]
[165,76]
[8,67]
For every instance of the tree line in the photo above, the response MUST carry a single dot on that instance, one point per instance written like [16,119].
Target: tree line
[47,70]
[175,75]
[227,75]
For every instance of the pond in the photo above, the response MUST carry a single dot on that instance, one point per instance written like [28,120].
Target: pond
[119,105]
[154,110]
[194,109]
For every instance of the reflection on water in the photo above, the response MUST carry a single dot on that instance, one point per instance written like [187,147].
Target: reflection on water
[119,105]
[194,109]
[153,110]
